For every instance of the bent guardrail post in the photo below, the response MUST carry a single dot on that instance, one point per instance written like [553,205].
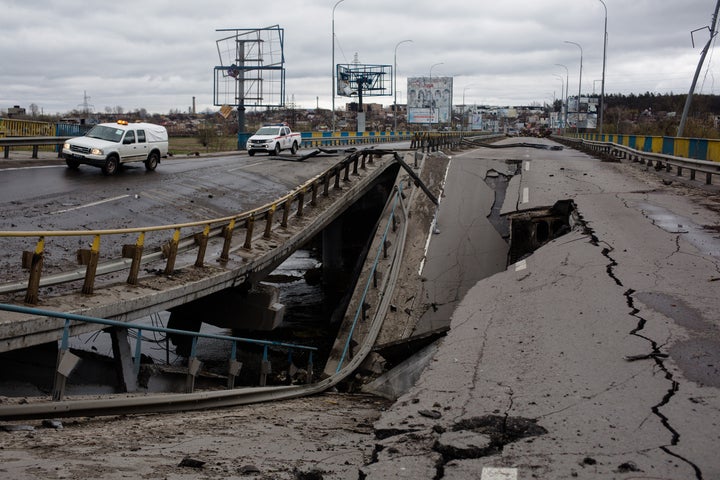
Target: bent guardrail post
[172,249]
[194,366]
[286,212]
[416,179]
[202,240]
[301,201]
[313,199]
[326,184]
[268,221]
[310,369]
[66,363]
[249,229]
[90,258]
[138,350]
[265,367]
[234,367]
[34,261]
[134,252]
[227,233]
[336,173]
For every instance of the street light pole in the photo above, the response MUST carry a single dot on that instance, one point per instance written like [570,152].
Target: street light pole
[433,66]
[562,88]
[332,76]
[432,110]
[688,99]
[567,86]
[577,123]
[602,85]
[465,127]
[395,112]
[464,110]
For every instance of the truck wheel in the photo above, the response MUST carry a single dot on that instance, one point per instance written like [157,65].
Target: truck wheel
[73,164]
[111,165]
[294,148]
[152,161]
[251,152]
[276,150]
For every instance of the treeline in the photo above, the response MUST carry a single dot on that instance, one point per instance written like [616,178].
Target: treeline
[702,104]
[660,114]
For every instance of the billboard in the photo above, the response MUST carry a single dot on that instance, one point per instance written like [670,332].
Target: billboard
[252,68]
[368,80]
[429,99]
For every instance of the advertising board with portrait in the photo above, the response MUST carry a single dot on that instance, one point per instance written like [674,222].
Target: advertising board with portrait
[429,99]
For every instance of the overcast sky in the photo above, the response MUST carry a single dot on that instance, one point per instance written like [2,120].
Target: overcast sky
[158,54]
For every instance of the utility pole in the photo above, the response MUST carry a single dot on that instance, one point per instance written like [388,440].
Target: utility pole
[602,87]
[688,100]
[332,76]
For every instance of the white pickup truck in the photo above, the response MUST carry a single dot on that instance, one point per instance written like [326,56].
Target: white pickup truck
[108,145]
[272,139]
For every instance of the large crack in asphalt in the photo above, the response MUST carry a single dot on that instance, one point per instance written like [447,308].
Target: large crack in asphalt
[655,354]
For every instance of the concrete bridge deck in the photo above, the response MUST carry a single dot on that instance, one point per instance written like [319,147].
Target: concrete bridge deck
[598,356]
[116,299]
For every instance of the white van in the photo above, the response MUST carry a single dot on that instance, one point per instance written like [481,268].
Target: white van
[108,145]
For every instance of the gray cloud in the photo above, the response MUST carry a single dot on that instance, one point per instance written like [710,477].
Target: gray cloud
[158,54]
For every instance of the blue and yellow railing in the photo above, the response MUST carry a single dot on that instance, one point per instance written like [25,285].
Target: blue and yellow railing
[695,148]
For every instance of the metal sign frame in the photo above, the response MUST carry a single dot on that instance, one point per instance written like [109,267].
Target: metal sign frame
[363,80]
[252,68]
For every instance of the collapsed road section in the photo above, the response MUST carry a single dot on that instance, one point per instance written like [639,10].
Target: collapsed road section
[578,355]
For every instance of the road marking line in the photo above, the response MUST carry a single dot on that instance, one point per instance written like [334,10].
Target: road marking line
[525,195]
[92,204]
[31,168]
[521,265]
[527,166]
[492,473]
[244,166]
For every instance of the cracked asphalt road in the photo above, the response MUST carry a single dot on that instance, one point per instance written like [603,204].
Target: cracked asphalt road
[597,358]
[607,338]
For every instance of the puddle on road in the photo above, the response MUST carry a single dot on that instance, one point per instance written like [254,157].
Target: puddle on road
[676,309]
[699,360]
[705,239]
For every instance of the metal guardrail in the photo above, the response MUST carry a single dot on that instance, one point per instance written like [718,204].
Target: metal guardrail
[34,142]
[65,357]
[239,396]
[311,140]
[425,141]
[657,160]
[360,311]
[133,255]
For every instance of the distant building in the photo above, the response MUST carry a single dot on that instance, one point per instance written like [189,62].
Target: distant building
[16,110]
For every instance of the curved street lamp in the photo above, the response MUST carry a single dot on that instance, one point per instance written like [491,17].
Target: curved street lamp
[577,123]
[332,76]
[432,110]
[433,66]
[465,127]
[395,112]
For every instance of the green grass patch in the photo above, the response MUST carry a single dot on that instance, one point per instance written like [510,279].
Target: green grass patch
[190,145]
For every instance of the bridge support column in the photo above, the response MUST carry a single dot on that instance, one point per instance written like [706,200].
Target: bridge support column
[124,367]
[332,259]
